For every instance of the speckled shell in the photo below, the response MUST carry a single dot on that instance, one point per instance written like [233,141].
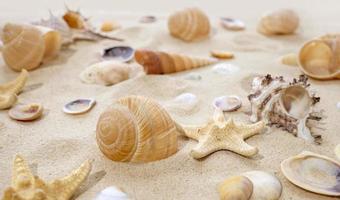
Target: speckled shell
[136,129]
[236,188]
[159,62]
[190,24]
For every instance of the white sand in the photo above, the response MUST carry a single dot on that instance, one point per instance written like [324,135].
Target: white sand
[58,142]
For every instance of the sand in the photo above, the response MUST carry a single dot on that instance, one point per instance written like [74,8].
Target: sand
[58,143]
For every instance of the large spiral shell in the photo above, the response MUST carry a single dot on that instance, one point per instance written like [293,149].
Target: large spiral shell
[136,129]
[189,24]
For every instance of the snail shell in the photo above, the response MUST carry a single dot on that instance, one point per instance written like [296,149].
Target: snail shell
[26,46]
[189,24]
[136,129]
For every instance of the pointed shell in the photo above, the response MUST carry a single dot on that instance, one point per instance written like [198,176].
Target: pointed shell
[189,24]
[227,103]
[136,129]
[282,21]
[26,112]
[313,172]
[79,106]
[236,188]
[112,193]
[158,62]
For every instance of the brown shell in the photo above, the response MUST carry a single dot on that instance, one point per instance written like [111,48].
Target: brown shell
[158,62]
[136,129]
[190,24]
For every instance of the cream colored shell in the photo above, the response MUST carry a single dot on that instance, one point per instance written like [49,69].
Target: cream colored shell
[136,129]
[190,24]
[26,112]
[236,188]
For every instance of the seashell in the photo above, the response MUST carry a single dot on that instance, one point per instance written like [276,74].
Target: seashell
[112,193]
[265,185]
[232,24]
[79,106]
[9,91]
[74,19]
[290,59]
[158,62]
[27,46]
[236,188]
[119,53]
[136,129]
[337,151]
[225,68]
[313,172]
[109,26]
[278,22]
[320,58]
[147,19]
[227,103]
[284,104]
[221,54]
[190,24]
[26,112]
[185,103]
[110,73]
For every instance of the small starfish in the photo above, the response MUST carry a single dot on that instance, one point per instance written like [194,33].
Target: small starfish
[221,134]
[26,186]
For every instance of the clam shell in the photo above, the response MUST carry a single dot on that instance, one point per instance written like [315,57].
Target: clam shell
[112,193]
[236,188]
[119,53]
[26,112]
[313,172]
[227,103]
[148,19]
[79,106]
[232,24]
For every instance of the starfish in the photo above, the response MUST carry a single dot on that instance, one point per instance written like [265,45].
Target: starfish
[222,134]
[26,186]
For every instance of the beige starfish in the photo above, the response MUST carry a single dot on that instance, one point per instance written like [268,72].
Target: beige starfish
[221,134]
[26,186]
[9,91]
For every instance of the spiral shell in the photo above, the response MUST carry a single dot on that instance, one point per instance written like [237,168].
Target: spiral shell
[136,129]
[190,24]
[158,62]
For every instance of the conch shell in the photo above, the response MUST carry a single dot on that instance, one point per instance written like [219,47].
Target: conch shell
[136,129]
[190,24]
[159,62]
[320,57]
[27,46]
[278,22]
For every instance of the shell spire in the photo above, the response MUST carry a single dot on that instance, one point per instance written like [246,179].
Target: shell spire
[159,62]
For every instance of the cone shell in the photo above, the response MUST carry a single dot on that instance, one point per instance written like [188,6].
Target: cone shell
[236,188]
[136,129]
[189,25]
[158,62]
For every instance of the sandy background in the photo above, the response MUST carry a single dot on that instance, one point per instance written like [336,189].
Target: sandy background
[59,143]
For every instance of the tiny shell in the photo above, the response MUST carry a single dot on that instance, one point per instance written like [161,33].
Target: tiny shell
[108,26]
[290,59]
[337,151]
[79,106]
[119,53]
[227,103]
[232,24]
[225,69]
[27,112]
[147,19]
[221,54]
[112,193]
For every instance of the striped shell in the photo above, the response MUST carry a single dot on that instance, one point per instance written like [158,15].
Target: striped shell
[190,24]
[158,62]
[136,129]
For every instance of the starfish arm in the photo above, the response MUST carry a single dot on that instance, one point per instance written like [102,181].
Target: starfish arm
[238,145]
[195,132]
[16,85]
[205,146]
[21,173]
[248,130]
[219,116]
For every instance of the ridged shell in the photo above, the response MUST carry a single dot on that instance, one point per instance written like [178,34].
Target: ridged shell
[136,129]
[190,24]
[236,188]
[278,22]
[158,62]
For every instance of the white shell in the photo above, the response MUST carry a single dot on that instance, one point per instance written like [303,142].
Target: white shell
[112,193]
[232,24]
[227,103]
[79,106]
[225,69]
[119,53]
[265,185]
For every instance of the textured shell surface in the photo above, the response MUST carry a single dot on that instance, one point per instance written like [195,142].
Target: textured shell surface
[236,188]
[265,185]
[232,24]
[26,112]
[278,22]
[227,103]
[119,53]
[136,129]
[79,106]
[313,172]
[112,193]
[190,24]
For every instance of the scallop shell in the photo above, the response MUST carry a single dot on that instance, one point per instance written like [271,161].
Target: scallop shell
[232,24]
[320,58]
[79,106]
[236,188]
[119,53]
[227,103]
[112,193]
[278,22]
[313,172]
[136,129]
[26,112]
[158,62]
[190,24]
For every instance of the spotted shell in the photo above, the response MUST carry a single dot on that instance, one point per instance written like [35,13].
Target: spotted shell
[136,129]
